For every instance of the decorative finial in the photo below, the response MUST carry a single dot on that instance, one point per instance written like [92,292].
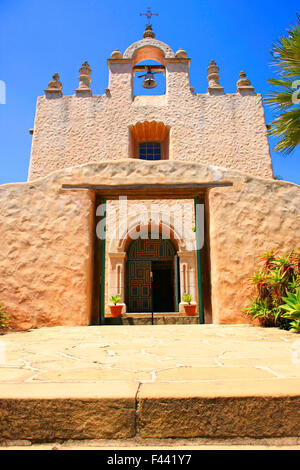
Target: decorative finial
[213,78]
[148,33]
[54,86]
[244,84]
[84,80]
[181,54]
[116,54]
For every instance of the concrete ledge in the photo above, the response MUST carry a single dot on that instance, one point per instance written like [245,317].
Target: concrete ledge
[46,412]
[265,408]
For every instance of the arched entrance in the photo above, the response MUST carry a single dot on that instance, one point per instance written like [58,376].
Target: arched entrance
[152,276]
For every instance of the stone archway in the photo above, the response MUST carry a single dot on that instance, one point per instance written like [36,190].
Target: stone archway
[151,276]
[185,252]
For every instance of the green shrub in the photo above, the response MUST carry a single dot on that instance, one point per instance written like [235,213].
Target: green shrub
[292,309]
[279,276]
[295,326]
[4,319]
[261,309]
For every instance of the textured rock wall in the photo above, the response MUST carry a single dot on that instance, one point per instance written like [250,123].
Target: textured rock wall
[246,222]
[46,236]
[227,130]
[45,268]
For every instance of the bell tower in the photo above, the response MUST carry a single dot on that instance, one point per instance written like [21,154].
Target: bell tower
[123,67]
[166,122]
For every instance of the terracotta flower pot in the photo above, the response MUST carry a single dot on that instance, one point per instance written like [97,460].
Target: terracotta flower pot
[116,310]
[190,310]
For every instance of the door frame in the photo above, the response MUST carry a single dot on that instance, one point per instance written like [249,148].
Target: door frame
[171,269]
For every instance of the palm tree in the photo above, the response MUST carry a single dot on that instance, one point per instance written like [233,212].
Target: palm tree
[286,98]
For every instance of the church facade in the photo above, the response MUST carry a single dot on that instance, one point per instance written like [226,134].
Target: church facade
[145,197]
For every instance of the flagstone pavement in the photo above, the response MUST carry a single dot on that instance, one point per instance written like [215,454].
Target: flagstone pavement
[149,354]
[162,381]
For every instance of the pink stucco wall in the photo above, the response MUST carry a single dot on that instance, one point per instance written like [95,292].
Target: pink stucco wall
[47,236]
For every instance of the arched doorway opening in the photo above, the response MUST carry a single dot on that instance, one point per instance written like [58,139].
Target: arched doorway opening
[152,279]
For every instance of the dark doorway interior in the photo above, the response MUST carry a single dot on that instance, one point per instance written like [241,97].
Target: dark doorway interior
[163,286]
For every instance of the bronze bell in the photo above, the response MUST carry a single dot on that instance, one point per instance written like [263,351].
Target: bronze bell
[149,81]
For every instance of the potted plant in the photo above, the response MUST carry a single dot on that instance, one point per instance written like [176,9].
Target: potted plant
[115,310]
[190,309]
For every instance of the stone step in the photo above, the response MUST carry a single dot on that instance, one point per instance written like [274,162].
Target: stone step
[158,319]
[237,408]
[46,412]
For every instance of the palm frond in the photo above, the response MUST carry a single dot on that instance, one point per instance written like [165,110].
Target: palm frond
[287,127]
[282,99]
[286,60]
[286,53]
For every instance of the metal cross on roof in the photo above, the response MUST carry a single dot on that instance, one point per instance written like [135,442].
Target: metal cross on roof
[149,14]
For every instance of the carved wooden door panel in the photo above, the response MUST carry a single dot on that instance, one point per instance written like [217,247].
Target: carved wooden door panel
[138,286]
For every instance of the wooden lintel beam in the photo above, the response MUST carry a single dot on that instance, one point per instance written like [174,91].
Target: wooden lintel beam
[149,191]
[146,67]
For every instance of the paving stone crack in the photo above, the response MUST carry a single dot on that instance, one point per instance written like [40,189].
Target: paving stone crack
[137,410]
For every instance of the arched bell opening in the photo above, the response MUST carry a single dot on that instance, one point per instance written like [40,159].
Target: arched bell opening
[149,77]
[153,53]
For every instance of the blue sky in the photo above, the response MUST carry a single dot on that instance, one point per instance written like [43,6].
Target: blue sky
[39,38]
